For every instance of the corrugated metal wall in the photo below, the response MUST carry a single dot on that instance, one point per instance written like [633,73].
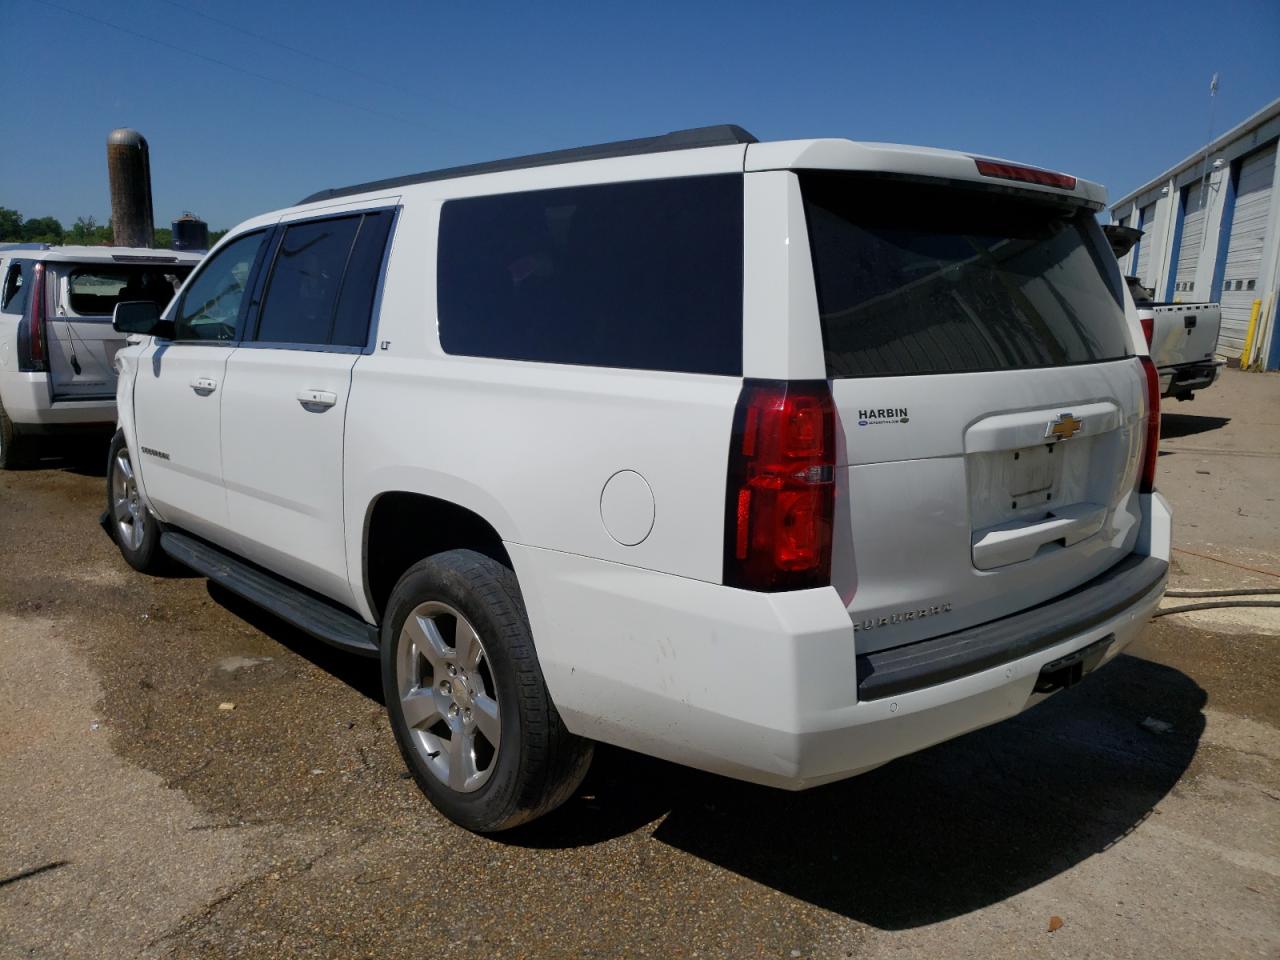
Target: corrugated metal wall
[1145,271]
[1244,248]
[1195,196]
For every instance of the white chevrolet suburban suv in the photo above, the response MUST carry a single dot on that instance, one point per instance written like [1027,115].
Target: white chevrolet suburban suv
[780,460]
[57,348]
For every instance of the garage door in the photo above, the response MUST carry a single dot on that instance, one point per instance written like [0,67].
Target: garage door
[1194,199]
[1150,230]
[1244,248]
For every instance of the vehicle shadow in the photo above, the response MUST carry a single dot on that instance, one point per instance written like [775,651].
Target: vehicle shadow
[1173,425]
[362,674]
[931,836]
[82,456]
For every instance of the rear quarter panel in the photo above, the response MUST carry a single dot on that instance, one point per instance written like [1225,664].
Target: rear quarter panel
[531,446]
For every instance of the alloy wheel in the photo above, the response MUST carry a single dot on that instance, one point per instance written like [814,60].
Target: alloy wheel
[448,697]
[127,511]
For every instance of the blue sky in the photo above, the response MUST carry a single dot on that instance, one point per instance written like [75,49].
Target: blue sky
[1115,92]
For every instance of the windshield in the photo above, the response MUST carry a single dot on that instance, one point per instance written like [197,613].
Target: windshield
[917,278]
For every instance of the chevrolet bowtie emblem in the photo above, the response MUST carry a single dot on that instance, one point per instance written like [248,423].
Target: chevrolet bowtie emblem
[1064,428]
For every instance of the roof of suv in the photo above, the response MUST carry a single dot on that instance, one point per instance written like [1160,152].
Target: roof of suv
[72,254]
[830,154]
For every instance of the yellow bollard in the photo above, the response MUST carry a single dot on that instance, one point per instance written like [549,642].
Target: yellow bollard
[1248,337]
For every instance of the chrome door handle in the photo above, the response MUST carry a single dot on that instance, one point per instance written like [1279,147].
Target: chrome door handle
[204,385]
[317,398]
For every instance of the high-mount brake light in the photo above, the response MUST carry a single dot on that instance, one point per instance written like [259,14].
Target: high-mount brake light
[1011,171]
[780,499]
[1151,451]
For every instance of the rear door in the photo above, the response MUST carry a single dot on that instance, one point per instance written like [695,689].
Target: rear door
[989,400]
[285,398]
[82,344]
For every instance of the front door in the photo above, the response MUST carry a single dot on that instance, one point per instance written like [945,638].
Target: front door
[178,394]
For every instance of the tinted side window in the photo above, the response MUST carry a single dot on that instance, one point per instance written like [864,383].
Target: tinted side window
[644,275]
[12,299]
[210,308]
[355,303]
[306,278]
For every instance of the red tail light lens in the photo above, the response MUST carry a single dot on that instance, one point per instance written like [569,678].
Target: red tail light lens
[781,492]
[1148,327]
[31,353]
[1010,171]
[1152,450]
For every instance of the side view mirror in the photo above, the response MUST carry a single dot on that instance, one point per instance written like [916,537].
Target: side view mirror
[140,316]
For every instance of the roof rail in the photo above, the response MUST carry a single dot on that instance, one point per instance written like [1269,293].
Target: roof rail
[717,136]
[24,246]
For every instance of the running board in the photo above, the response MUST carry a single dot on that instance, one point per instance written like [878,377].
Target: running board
[316,617]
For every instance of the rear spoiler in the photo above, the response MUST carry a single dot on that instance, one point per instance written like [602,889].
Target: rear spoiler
[1121,238]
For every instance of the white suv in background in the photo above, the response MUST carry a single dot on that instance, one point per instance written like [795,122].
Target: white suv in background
[781,460]
[57,348]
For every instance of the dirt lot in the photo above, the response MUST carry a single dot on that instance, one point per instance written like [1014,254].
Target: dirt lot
[137,818]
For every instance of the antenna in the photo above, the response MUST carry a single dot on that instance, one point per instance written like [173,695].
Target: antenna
[1204,163]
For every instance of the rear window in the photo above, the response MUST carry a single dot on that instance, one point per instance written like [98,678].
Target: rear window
[95,291]
[642,275]
[915,279]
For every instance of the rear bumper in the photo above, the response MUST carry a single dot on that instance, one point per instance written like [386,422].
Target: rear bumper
[1187,378]
[765,687]
[27,401]
[899,670]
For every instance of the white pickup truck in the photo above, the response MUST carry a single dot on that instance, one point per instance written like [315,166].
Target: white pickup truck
[1182,337]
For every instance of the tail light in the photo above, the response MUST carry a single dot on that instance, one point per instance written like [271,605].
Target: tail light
[1152,448]
[1148,327]
[780,498]
[31,352]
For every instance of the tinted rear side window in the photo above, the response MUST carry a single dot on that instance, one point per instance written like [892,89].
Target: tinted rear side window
[917,279]
[12,298]
[306,278]
[643,275]
[355,303]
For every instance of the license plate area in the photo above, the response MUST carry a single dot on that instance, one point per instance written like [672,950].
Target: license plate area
[1024,484]
[1031,476]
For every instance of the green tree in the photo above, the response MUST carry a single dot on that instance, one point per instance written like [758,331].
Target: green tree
[163,238]
[84,232]
[10,225]
[42,230]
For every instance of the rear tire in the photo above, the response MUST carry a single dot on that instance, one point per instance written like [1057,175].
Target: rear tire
[133,527]
[466,697]
[13,447]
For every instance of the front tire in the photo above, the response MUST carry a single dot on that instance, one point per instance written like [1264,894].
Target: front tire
[466,697]
[133,527]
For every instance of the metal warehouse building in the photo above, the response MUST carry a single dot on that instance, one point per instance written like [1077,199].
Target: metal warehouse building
[1211,232]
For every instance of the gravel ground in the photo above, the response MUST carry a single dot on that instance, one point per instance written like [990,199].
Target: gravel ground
[142,819]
